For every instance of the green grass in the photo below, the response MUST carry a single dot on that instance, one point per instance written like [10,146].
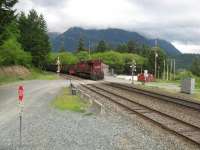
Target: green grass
[35,74]
[42,75]
[158,84]
[66,101]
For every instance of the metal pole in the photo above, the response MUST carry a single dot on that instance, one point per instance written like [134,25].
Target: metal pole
[155,66]
[167,71]
[132,74]
[164,71]
[20,117]
[20,126]
[171,69]
[174,69]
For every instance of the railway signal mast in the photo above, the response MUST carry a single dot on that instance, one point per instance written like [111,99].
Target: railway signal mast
[133,69]
[58,65]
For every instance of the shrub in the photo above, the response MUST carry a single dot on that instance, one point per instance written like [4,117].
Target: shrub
[82,56]
[65,58]
[118,61]
[11,53]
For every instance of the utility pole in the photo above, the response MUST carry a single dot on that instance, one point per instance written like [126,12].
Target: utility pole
[164,71]
[167,71]
[171,69]
[156,55]
[89,48]
[174,69]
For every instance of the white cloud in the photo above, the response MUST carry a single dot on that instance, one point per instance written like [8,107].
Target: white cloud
[175,20]
[185,48]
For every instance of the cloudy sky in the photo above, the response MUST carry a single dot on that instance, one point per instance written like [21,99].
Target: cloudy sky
[177,21]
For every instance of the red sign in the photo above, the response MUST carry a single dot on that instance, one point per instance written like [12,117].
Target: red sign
[21,93]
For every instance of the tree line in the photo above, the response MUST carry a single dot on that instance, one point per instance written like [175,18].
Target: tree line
[23,38]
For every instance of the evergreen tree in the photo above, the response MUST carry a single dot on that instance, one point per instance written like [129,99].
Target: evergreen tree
[62,50]
[144,50]
[101,47]
[131,46]
[160,59]
[122,48]
[6,17]
[81,45]
[195,68]
[34,38]
[11,51]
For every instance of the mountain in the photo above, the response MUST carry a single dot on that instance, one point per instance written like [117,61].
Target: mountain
[113,37]
[53,35]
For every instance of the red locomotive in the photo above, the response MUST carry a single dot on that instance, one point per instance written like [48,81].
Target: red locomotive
[149,77]
[92,69]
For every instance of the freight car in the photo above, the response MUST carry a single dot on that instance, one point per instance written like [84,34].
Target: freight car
[92,69]
[149,77]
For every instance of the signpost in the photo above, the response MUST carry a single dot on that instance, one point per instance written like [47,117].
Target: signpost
[21,100]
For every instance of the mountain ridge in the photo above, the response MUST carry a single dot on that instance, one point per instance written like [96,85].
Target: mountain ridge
[112,36]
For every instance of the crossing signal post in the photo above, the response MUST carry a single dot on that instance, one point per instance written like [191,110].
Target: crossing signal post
[58,65]
[133,69]
[21,101]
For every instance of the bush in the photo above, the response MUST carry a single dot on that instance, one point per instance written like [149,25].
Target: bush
[82,56]
[65,58]
[195,68]
[119,61]
[184,74]
[12,54]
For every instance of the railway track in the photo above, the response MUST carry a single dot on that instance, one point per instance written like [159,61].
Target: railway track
[161,96]
[165,121]
[70,77]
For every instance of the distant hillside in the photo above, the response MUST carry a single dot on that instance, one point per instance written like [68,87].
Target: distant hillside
[184,61]
[53,35]
[113,37]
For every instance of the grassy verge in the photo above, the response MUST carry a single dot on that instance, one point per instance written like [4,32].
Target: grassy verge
[42,75]
[35,74]
[66,101]
[163,85]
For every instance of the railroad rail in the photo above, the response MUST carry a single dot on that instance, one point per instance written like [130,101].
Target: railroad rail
[66,76]
[161,96]
[165,121]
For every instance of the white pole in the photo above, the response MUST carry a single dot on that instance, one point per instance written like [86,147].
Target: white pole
[167,71]
[174,69]
[171,69]
[164,71]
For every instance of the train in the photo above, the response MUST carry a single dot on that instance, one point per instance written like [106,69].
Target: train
[91,69]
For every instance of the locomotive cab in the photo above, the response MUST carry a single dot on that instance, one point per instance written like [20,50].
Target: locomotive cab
[96,70]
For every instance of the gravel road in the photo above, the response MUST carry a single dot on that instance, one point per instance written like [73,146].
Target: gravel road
[47,128]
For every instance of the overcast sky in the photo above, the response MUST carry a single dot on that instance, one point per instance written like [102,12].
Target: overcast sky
[177,21]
